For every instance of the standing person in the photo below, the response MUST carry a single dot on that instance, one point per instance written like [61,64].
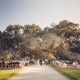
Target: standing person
[40,62]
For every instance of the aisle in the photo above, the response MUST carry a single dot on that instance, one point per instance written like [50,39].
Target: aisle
[37,72]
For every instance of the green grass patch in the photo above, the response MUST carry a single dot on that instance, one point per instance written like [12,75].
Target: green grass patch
[5,74]
[74,73]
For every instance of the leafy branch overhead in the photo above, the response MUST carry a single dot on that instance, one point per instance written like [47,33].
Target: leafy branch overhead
[57,40]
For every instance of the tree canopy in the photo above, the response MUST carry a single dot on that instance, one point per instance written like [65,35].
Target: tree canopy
[61,41]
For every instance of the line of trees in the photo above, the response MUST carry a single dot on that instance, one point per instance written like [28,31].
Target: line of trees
[61,41]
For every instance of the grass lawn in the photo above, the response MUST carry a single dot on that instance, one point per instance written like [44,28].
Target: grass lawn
[5,74]
[74,73]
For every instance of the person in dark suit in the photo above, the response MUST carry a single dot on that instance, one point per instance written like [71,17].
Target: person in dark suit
[40,62]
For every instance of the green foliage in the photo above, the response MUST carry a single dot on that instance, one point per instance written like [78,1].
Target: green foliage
[60,39]
[74,73]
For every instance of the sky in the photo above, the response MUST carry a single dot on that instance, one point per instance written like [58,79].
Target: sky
[39,12]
